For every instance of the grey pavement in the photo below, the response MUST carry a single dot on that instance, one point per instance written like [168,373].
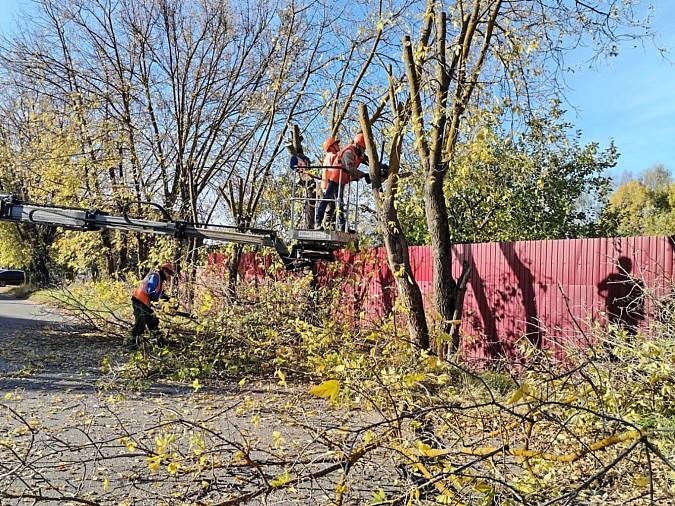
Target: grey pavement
[17,317]
[18,314]
[63,437]
[39,339]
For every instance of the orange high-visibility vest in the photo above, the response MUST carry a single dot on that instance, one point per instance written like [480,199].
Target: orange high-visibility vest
[335,174]
[141,291]
[357,156]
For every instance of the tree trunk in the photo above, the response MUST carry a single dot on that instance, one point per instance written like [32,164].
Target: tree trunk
[40,263]
[408,289]
[106,239]
[392,233]
[233,271]
[459,305]
[444,284]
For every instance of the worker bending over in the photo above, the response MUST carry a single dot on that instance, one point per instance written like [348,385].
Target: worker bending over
[149,290]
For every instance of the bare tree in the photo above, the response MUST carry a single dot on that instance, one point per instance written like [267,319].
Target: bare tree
[390,227]
[174,99]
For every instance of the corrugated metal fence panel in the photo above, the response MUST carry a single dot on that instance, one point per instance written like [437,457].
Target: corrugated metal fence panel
[546,292]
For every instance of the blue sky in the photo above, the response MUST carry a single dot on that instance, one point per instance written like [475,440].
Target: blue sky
[629,98]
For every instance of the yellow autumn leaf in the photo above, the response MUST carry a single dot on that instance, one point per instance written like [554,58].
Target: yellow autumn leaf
[427,451]
[8,396]
[327,390]
[106,484]
[412,378]
[282,377]
[483,488]
[281,479]
[641,480]
[196,385]
[523,391]
[433,362]
[448,498]
[173,467]
[242,382]
[154,463]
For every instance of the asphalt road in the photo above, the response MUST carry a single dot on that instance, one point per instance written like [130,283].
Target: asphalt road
[63,436]
[20,317]
[41,348]
[22,314]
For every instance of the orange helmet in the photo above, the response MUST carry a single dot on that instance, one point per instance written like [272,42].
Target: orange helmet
[360,140]
[328,143]
[169,268]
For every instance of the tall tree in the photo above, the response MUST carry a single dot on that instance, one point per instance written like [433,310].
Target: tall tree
[37,161]
[643,206]
[389,224]
[175,99]
[507,49]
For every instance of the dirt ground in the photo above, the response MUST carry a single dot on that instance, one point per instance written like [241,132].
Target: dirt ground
[66,440]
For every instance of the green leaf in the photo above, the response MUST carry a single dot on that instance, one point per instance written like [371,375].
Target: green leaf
[379,496]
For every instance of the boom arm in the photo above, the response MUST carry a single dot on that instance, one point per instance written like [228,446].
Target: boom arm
[13,209]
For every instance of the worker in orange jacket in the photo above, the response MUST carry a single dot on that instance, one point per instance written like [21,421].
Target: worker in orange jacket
[353,155]
[345,163]
[332,172]
[149,290]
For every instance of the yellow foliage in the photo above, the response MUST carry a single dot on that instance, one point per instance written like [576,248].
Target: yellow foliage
[426,450]
[173,467]
[154,463]
[281,479]
[327,390]
[449,498]
[412,378]
[282,377]
[130,444]
[641,480]
[523,391]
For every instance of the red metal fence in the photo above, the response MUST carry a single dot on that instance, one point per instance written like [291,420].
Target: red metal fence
[545,291]
[550,291]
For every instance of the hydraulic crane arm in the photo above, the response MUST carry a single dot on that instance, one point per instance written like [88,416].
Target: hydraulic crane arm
[13,209]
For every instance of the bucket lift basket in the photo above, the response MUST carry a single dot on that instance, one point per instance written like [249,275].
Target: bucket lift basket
[319,240]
